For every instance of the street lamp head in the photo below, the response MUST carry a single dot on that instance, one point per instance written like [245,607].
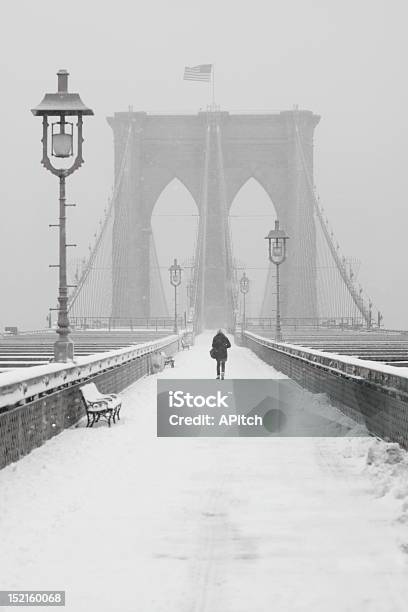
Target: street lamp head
[62,104]
[277,239]
[244,283]
[175,274]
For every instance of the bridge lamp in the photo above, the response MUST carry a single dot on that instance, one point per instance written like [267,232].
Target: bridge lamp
[277,243]
[189,289]
[244,288]
[62,141]
[175,280]
[370,314]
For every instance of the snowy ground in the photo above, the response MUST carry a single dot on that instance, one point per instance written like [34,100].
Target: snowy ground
[123,520]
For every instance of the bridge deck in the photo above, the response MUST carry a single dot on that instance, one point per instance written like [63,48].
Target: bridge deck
[37,348]
[210,524]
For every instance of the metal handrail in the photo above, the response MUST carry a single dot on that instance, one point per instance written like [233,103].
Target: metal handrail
[298,322]
[110,323]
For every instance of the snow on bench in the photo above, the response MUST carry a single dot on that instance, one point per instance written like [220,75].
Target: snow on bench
[100,405]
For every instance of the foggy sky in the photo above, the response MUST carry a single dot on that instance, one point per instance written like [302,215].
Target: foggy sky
[344,60]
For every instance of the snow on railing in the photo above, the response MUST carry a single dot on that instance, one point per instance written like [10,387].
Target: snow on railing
[18,387]
[390,377]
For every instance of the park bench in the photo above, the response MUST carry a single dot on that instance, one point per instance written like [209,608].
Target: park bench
[99,405]
[185,343]
[169,360]
[159,360]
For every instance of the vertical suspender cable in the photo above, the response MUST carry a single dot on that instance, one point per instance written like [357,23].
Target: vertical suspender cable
[94,252]
[341,268]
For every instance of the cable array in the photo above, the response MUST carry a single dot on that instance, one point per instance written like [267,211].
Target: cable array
[93,295]
[337,293]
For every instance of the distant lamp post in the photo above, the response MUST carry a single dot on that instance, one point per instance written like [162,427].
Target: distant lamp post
[244,288]
[175,280]
[64,141]
[190,292]
[370,315]
[277,239]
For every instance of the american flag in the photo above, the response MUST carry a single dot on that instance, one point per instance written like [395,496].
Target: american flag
[198,73]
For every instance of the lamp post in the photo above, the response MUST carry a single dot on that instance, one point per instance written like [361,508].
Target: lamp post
[64,141]
[190,293]
[370,315]
[244,288]
[277,239]
[175,280]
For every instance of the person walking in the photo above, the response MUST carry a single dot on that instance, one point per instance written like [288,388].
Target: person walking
[219,351]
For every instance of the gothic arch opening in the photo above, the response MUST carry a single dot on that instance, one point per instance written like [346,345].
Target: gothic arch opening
[251,216]
[174,234]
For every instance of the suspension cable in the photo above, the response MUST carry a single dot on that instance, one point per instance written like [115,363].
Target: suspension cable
[357,299]
[89,266]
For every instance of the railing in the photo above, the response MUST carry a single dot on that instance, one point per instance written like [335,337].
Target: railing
[28,332]
[110,323]
[296,323]
[234,111]
[373,392]
[41,402]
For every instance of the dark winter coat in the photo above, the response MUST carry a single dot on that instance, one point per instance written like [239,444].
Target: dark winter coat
[220,345]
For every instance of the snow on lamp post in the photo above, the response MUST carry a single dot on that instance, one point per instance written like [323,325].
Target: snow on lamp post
[244,288]
[65,142]
[175,280]
[277,239]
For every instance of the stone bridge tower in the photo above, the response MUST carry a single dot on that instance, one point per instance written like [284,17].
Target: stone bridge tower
[213,154]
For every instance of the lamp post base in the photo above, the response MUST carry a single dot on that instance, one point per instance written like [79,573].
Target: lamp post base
[63,351]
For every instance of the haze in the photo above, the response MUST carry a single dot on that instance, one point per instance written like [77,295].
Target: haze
[346,61]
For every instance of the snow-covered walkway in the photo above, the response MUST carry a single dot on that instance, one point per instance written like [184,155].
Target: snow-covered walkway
[123,520]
